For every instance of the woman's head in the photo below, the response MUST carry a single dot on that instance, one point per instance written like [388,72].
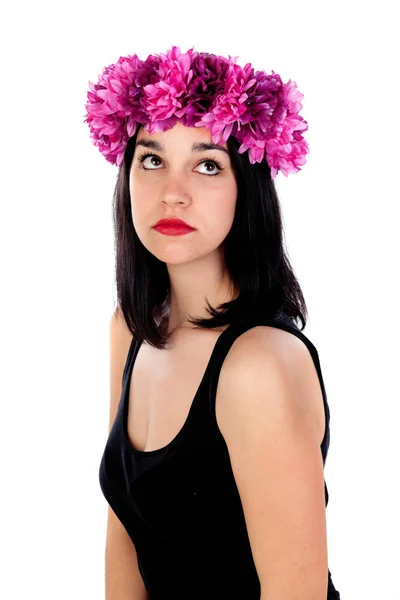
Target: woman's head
[236,215]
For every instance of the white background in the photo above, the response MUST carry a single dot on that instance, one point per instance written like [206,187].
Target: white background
[57,267]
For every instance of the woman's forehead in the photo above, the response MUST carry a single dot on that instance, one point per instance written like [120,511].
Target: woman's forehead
[187,135]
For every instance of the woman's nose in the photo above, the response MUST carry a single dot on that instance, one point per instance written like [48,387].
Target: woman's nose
[175,191]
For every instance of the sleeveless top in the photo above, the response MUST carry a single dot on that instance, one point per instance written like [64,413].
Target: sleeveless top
[179,504]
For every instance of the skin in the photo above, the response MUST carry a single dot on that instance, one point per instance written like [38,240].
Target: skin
[177,183]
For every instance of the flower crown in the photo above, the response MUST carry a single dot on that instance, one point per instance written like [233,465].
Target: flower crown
[200,90]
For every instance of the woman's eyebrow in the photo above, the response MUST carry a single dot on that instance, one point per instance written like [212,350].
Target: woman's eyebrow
[196,147]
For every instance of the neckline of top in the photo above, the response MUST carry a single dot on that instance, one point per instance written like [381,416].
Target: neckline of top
[181,432]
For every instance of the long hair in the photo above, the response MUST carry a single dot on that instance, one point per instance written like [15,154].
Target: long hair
[254,254]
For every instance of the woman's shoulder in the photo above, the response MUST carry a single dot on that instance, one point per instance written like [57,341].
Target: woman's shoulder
[274,364]
[120,335]
[266,341]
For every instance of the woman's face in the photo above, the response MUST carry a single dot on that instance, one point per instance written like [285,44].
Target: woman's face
[177,181]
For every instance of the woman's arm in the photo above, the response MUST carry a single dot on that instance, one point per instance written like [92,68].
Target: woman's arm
[123,580]
[268,410]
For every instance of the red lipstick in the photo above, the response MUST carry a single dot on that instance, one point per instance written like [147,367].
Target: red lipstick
[172,227]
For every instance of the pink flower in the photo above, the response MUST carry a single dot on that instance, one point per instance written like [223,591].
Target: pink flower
[209,73]
[114,107]
[229,106]
[282,128]
[163,98]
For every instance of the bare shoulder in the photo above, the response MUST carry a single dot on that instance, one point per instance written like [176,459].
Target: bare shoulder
[118,325]
[120,337]
[258,344]
[274,366]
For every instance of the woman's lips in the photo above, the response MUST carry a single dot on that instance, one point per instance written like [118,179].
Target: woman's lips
[173,229]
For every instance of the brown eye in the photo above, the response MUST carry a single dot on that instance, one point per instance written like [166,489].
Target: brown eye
[215,164]
[210,164]
[142,158]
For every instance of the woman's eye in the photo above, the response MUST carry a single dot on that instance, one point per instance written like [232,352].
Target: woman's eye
[215,169]
[145,156]
[213,164]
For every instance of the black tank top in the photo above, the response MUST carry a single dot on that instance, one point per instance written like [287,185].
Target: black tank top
[179,504]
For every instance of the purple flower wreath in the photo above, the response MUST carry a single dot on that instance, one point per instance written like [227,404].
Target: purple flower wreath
[200,90]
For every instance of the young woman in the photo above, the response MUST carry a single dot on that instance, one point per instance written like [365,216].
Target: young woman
[219,423]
